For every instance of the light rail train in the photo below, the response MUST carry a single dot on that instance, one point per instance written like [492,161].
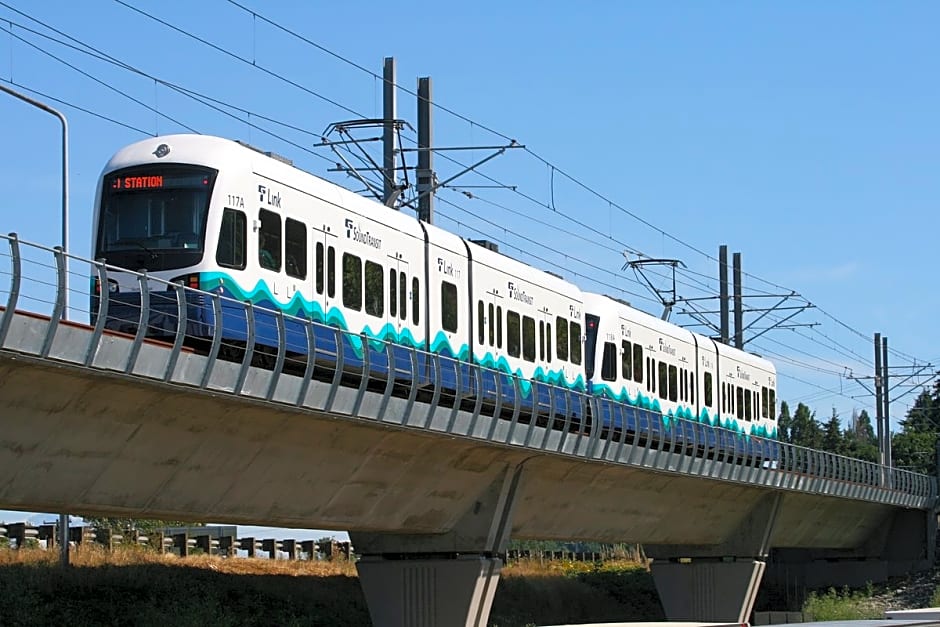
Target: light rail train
[219,216]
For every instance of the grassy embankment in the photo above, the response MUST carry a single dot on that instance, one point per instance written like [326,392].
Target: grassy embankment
[137,587]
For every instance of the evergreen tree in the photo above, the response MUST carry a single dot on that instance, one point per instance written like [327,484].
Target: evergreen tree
[784,422]
[914,448]
[832,437]
[860,441]
[805,430]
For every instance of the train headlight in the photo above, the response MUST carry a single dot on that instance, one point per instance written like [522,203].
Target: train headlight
[187,280]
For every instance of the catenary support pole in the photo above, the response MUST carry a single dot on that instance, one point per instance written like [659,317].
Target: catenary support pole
[425,154]
[388,133]
[723,294]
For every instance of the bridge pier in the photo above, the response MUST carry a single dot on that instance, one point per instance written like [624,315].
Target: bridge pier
[422,580]
[904,543]
[717,582]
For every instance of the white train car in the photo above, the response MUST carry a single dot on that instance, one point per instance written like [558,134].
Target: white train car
[648,363]
[219,216]
[527,322]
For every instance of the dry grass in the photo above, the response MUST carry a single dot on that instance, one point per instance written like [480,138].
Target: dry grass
[134,586]
[91,556]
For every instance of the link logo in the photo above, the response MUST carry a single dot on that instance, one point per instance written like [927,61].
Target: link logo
[447,268]
[265,195]
[356,234]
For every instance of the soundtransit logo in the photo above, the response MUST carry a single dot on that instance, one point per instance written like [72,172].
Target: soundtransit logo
[518,294]
[356,234]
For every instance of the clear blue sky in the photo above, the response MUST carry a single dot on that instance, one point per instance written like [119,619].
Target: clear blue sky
[803,135]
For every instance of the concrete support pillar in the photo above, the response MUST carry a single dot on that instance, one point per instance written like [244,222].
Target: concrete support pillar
[413,580]
[708,590]
[716,583]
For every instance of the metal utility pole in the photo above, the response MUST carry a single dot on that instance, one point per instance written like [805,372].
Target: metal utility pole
[63,518]
[886,399]
[723,294]
[425,155]
[388,134]
[879,395]
[738,304]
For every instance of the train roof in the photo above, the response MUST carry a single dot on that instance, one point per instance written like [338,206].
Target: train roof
[221,154]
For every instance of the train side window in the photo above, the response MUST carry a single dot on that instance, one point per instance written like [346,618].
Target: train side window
[319,270]
[352,282]
[331,272]
[673,383]
[609,363]
[499,327]
[295,248]
[681,384]
[491,330]
[739,398]
[763,398]
[709,396]
[724,398]
[402,297]
[575,336]
[663,380]
[772,402]
[691,388]
[748,406]
[481,333]
[415,301]
[392,292]
[375,289]
[548,341]
[561,338]
[541,340]
[626,360]
[269,240]
[528,338]
[638,363]
[231,250]
[513,345]
[449,306]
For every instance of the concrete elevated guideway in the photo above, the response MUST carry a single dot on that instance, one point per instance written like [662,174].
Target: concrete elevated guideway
[96,423]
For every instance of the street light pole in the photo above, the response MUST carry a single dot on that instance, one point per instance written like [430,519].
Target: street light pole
[63,518]
[65,183]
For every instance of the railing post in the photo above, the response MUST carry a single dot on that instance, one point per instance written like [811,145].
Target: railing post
[143,321]
[16,271]
[60,301]
[104,296]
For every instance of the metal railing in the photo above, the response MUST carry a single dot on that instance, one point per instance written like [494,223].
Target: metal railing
[268,355]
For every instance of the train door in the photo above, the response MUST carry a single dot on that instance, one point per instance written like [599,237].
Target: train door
[324,273]
[324,293]
[398,273]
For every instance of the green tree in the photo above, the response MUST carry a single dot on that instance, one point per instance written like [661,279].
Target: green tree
[784,423]
[805,430]
[914,448]
[144,526]
[860,441]
[832,438]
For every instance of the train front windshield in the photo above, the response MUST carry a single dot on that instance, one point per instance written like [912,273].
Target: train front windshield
[154,217]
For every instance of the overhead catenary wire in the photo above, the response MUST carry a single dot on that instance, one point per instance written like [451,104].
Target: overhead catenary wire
[532,199]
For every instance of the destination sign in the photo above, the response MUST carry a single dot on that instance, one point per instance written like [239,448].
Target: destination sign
[137,182]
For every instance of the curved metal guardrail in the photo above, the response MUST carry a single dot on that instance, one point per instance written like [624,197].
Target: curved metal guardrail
[398,385]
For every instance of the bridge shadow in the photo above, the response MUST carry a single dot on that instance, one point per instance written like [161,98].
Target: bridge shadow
[146,589]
